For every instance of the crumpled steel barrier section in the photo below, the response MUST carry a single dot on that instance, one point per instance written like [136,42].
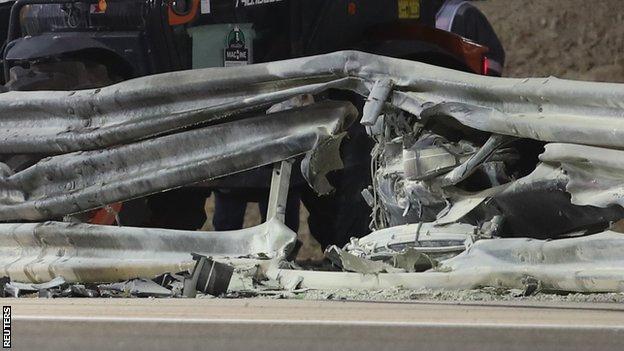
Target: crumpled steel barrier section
[55,122]
[80,181]
[39,252]
[548,109]
[591,263]
[572,114]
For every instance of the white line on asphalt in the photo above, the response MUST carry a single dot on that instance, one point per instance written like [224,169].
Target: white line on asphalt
[312,322]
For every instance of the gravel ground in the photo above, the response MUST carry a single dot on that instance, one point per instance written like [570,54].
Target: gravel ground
[482,295]
[576,39]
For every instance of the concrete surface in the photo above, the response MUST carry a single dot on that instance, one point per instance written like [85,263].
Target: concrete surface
[259,324]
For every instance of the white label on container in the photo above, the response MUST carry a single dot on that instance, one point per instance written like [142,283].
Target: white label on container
[205,6]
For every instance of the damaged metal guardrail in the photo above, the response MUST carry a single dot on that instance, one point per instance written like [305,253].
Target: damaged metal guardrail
[56,122]
[140,137]
[585,264]
[80,181]
[60,122]
[38,252]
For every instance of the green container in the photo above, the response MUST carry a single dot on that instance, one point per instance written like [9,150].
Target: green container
[210,42]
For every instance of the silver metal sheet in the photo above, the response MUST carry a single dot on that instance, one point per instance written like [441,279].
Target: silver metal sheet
[593,263]
[39,252]
[81,181]
[54,122]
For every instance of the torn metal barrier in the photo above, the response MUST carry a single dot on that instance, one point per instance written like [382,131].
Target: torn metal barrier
[39,252]
[80,181]
[458,147]
[594,175]
[54,122]
[586,264]
[426,238]
[548,109]
[413,97]
[454,151]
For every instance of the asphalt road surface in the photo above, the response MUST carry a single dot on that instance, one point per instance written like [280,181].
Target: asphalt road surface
[259,324]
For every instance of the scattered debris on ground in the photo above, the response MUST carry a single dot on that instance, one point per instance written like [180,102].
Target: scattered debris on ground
[483,294]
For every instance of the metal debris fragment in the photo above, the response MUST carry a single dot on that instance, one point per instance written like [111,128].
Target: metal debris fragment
[54,283]
[208,277]
[79,290]
[353,263]
[411,260]
[135,287]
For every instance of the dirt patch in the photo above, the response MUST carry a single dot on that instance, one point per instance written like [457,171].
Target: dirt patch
[575,39]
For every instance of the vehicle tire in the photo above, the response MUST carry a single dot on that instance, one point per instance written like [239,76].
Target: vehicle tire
[62,75]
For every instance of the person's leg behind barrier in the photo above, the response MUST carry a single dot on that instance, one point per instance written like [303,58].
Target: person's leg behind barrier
[229,212]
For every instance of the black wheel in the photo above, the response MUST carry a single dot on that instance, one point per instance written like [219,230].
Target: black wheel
[62,75]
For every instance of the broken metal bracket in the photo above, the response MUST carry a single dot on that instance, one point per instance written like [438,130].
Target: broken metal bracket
[464,170]
[208,276]
[376,100]
[278,195]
